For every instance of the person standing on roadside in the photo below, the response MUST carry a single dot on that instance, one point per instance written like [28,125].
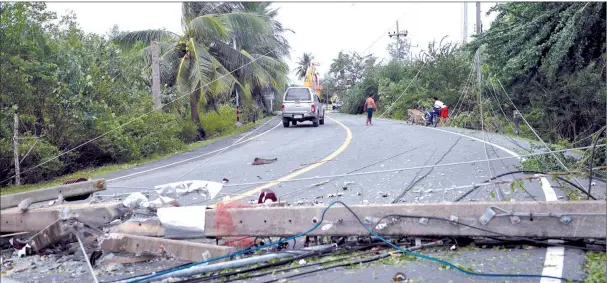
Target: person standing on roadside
[370,106]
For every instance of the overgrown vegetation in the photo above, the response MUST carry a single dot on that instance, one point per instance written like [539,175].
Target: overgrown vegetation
[595,268]
[547,59]
[86,98]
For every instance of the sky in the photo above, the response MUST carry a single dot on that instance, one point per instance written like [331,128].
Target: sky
[323,29]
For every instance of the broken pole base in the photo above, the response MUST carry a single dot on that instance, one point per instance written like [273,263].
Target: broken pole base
[183,250]
[50,235]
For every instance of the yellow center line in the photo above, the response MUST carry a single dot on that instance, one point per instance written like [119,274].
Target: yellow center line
[343,147]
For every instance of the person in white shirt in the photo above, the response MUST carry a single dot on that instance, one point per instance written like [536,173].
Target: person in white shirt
[436,109]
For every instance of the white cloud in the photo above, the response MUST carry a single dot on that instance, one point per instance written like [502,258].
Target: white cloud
[322,29]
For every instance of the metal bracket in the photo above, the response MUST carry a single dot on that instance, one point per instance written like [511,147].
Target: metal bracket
[565,220]
[487,216]
[454,219]
[423,221]
[515,220]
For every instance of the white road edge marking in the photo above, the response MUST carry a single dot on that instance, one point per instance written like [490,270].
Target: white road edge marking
[192,158]
[477,139]
[555,256]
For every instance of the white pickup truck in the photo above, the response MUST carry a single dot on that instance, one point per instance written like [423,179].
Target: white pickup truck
[302,104]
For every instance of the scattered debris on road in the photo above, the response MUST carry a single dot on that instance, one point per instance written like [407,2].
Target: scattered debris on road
[147,232]
[262,161]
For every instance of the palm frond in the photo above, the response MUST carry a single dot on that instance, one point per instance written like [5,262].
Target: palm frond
[129,39]
[210,27]
[169,64]
[250,22]
[231,58]
[163,48]
[183,75]
[202,71]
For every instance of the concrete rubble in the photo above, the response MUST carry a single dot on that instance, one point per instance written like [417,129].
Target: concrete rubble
[137,234]
[40,239]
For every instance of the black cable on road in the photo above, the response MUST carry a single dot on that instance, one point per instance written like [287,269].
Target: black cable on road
[270,265]
[525,171]
[431,169]
[477,228]
[361,261]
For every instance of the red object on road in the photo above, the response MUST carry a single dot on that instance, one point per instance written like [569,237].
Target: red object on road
[267,194]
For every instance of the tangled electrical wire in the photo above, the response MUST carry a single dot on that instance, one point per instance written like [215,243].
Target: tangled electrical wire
[372,232]
[528,172]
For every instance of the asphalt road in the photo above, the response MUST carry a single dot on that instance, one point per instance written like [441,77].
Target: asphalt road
[344,145]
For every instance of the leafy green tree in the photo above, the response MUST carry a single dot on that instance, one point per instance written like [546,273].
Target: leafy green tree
[550,57]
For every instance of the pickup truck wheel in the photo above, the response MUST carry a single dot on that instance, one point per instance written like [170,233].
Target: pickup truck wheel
[285,123]
[322,121]
[294,123]
[315,123]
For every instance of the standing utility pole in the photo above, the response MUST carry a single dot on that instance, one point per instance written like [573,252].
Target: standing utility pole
[16,149]
[155,75]
[465,34]
[397,35]
[479,75]
[236,90]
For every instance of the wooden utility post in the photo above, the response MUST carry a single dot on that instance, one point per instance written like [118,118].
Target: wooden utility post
[16,149]
[155,75]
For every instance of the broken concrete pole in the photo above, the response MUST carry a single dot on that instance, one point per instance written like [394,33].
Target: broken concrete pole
[146,227]
[52,193]
[183,250]
[36,219]
[577,219]
[50,235]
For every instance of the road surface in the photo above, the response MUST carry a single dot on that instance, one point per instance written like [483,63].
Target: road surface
[343,145]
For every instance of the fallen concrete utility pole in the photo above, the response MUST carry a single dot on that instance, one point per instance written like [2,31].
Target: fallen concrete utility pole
[183,250]
[200,269]
[70,190]
[13,220]
[145,227]
[575,219]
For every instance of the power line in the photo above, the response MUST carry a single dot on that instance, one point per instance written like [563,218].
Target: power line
[411,168]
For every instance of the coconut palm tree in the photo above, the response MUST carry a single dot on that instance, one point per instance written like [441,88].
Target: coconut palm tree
[267,52]
[205,63]
[302,66]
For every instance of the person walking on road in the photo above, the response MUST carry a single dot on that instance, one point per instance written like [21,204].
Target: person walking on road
[370,106]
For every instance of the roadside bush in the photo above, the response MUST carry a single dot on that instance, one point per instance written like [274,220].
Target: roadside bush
[41,152]
[218,124]
[156,134]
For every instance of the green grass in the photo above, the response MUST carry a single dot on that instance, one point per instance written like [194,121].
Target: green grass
[595,267]
[110,168]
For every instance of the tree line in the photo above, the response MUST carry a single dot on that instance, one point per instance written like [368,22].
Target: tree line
[547,59]
[87,98]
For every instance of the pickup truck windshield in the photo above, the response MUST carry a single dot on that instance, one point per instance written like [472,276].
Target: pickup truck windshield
[295,94]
